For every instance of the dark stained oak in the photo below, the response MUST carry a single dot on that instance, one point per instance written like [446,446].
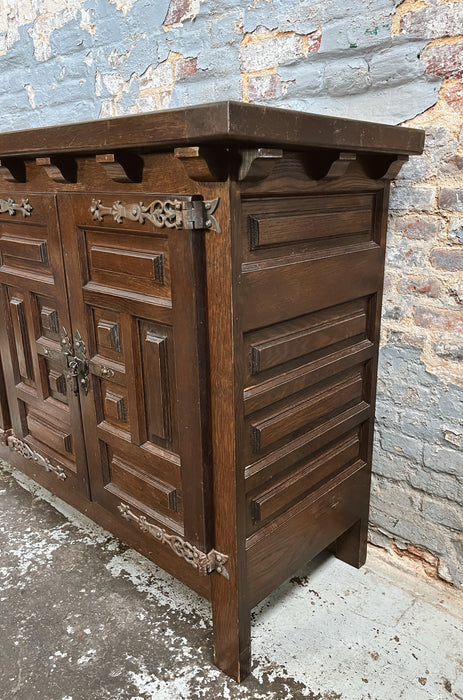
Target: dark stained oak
[189,329]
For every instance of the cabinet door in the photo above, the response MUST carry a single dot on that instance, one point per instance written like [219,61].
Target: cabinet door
[45,414]
[136,304]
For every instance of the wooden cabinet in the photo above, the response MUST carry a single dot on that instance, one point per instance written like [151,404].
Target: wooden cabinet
[189,311]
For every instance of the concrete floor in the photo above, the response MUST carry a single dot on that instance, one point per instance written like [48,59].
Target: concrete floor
[83,617]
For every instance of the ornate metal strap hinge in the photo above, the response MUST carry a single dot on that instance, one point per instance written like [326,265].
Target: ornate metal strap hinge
[162,213]
[10,206]
[204,563]
[27,452]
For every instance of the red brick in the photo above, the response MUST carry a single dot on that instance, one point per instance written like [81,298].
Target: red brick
[177,10]
[314,41]
[427,286]
[453,95]
[418,228]
[447,258]
[185,67]
[444,60]
[263,87]
[441,320]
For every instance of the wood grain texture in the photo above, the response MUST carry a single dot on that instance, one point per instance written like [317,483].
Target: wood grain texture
[232,375]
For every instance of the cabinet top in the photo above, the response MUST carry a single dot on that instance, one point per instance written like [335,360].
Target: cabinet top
[223,123]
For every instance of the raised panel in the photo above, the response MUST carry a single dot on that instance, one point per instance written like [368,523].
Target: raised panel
[57,382]
[275,230]
[23,248]
[156,381]
[283,225]
[144,488]
[284,422]
[49,320]
[127,261]
[109,335]
[304,478]
[293,339]
[22,348]
[115,406]
[290,287]
[57,438]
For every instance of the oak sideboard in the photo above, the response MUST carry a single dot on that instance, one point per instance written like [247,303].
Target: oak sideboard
[189,325]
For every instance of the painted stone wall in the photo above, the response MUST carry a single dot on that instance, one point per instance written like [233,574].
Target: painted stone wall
[70,60]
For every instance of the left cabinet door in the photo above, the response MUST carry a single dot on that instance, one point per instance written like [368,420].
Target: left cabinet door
[34,320]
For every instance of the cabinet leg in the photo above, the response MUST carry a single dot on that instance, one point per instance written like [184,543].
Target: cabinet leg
[351,546]
[232,633]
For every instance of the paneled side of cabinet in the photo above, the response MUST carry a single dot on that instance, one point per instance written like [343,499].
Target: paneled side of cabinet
[311,273]
[45,413]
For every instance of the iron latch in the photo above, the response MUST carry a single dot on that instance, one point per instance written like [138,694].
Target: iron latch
[73,357]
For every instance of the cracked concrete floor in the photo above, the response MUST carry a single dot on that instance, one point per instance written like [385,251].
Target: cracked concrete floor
[83,617]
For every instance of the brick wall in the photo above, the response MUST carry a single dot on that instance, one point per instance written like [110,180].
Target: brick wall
[382,60]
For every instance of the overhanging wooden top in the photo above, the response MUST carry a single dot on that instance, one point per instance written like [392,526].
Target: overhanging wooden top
[224,123]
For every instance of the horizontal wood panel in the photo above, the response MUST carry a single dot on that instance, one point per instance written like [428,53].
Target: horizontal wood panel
[151,459]
[284,342]
[334,396]
[290,288]
[125,260]
[147,490]
[57,438]
[259,473]
[305,478]
[128,262]
[285,384]
[267,231]
[277,550]
[24,248]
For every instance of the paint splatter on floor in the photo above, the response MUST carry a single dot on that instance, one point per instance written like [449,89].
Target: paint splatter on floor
[83,617]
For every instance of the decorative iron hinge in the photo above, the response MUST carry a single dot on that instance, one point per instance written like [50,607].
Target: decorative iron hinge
[162,213]
[27,452]
[10,206]
[204,563]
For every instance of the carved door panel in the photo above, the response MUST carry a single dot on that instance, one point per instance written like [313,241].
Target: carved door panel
[45,413]
[136,309]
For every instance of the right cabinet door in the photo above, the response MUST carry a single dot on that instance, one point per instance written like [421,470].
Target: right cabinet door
[135,294]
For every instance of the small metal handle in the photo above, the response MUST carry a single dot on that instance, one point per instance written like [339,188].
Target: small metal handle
[106,373]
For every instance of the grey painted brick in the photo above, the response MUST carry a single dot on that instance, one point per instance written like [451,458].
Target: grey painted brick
[443,513]
[442,485]
[347,77]
[444,459]
[399,443]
